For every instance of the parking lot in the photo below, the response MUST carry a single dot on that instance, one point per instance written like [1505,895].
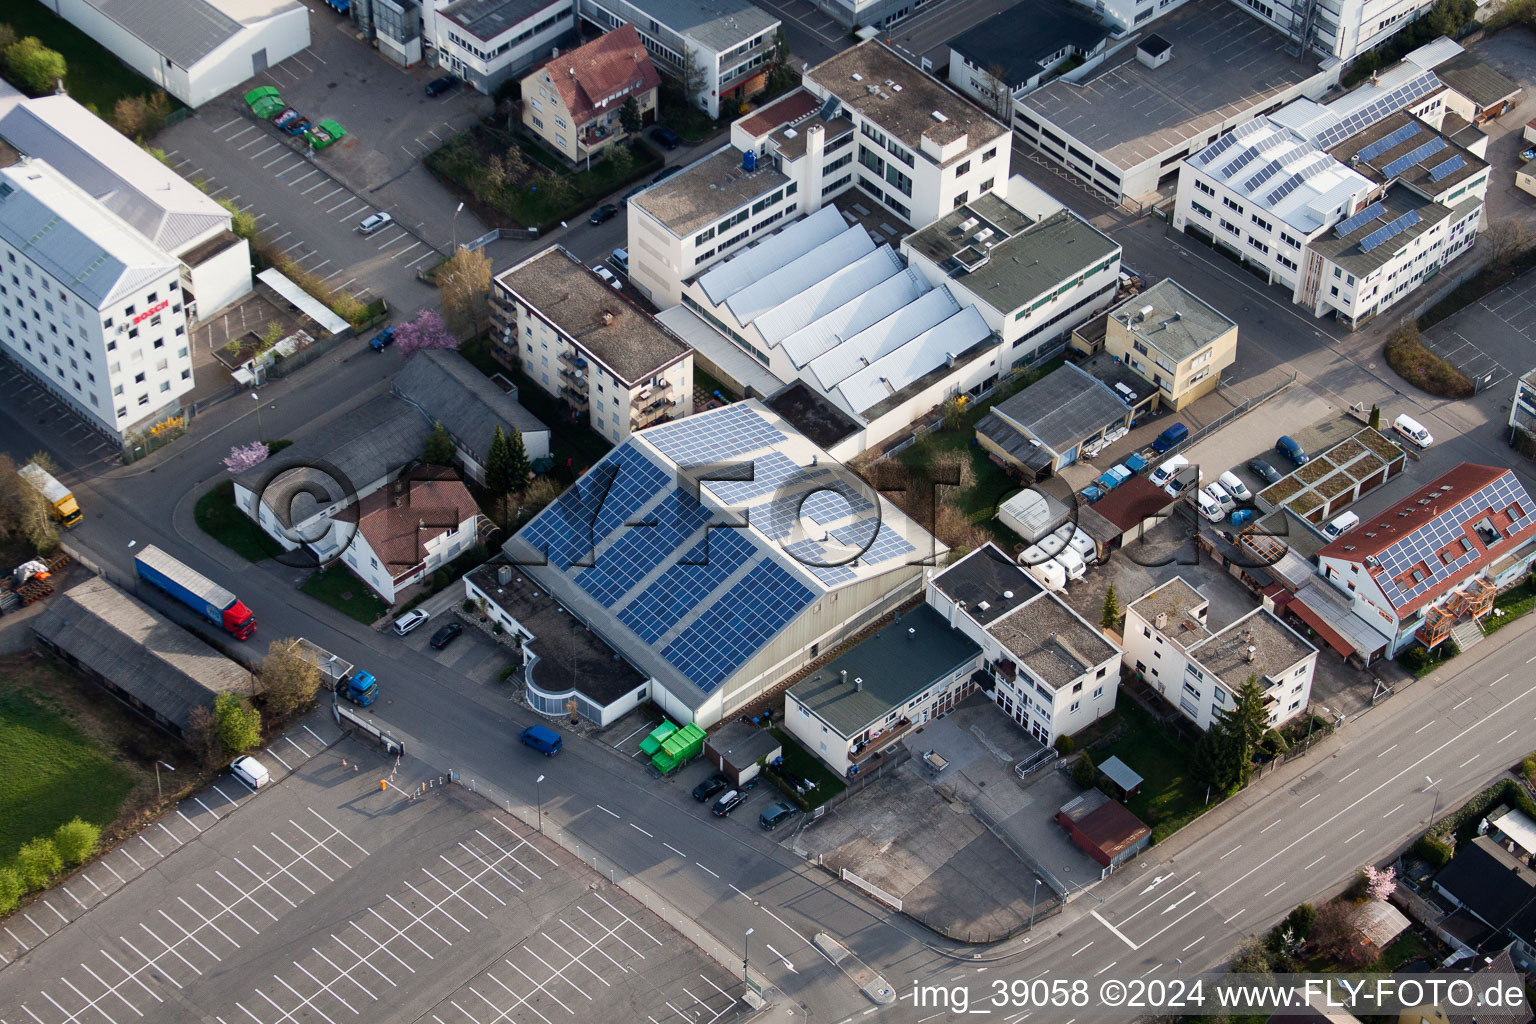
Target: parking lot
[356,886]
[70,437]
[1491,338]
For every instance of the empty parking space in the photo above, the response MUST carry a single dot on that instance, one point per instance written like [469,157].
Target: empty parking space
[807,16]
[74,439]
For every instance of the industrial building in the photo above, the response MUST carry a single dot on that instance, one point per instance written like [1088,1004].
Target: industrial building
[482,42]
[726,552]
[1045,426]
[193,49]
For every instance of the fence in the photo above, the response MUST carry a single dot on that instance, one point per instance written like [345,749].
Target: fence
[1043,758]
[873,889]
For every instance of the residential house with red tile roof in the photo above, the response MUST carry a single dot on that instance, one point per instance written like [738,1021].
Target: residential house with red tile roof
[573,101]
[408,530]
[1437,557]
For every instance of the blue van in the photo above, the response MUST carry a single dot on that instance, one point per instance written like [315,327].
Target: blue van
[1288,447]
[545,741]
[1174,435]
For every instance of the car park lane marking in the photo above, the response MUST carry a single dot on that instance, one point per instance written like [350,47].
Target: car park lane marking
[1357,835]
[1384,753]
[642,831]
[675,850]
[701,867]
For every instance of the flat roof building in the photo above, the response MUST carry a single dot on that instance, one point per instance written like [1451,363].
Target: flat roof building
[1175,340]
[1044,427]
[482,42]
[1012,51]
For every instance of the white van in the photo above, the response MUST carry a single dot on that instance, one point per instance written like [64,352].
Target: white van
[1413,430]
[250,771]
[1341,523]
[1162,474]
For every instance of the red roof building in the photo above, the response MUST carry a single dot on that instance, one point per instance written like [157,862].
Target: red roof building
[1104,829]
[573,101]
[1437,556]
[409,529]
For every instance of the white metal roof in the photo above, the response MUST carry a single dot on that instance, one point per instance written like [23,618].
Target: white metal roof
[832,291]
[859,351]
[859,312]
[162,205]
[1281,171]
[905,364]
[758,261]
[785,283]
[307,304]
[67,233]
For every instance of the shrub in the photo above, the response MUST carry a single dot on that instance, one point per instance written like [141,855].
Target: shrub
[76,840]
[38,861]
[1065,744]
[1423,369]
[1084,773]
[237,722]
[507,672]
[1528,769]
[468,607]
[1436,852]
[1301,920]
[11,890]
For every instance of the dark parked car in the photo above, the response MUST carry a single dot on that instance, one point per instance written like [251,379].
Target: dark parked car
[666,138]
[728,803]
[383,339]
[776,815]
[603,213]
[443,637]
[709,787]
[665,173]
[438,86]
[1288,447]
[1264,471]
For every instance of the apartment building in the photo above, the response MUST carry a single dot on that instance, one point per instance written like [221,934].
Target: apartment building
[1032,278]
[1169,642]
[922,150]
[89,307]
[406,533]
[584,342]
[486,42]
[1050,670]
[574,101]
[1174,340]
[721,49]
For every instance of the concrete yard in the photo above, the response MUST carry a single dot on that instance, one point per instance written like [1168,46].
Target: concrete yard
[332,898]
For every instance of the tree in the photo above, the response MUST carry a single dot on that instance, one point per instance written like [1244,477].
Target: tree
[24,510]
[202,738]
[1506,240]
[464,282]
[38,861]
[1245,723]
[7,37]
[498,465]
[518,457]
[35,67]
[439,448]
[424,332]
[622,161]
[241,222]
[11,887]
[1251,958]
[244,457]
[1375,422]
[1109,617]
[1084,771]
[237,723]
[129,115]
[691,74]
[629,115]
[1002,96]
[76,840]
[1380,883]
[1065,744]
[290,676]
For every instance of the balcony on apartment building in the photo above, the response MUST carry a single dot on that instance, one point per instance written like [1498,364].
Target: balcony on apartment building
[653,404]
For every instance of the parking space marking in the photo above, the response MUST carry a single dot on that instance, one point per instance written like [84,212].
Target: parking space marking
[275,161]
[319,184]
[311,174]
[247,128]
[402,252]
[428,256]
[254,142]
[264,152]
[327,195]
[269,751]
[389,242]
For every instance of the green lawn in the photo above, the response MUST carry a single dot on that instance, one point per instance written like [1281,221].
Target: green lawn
[1167,800]
[217,516]
[95,77]
[337,587]
[801,763]
[50,771]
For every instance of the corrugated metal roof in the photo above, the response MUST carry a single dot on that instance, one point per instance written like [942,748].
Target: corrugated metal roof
[72,237]
[824,334]
[758,261]
[832,291]
[156,201]
[799,274]
[858,351]
[447,388]
[928,351]
[183,31]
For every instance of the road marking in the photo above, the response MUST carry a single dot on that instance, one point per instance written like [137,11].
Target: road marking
[1351,773]
[188,820]
[1181,899]
[319,184]
[642,831]
[253,142]
[781,956]
[1315,863]
[402,252]
[323,199]
[55,909]
[1271,825]
[1507,735]
[605,810]
[1357,835]
[701,867]
[220,128]
[1154,967]
[1275,889]
[675,850]
[1186,949]
[1113,930]
[1460,703]
[311,174]
[1395,810]
[1499,680]
[345,202]
[1235,916]
[1310,799]
[1230,852]
[1468,761]
[1530,659]
[264,152]
[169,833]
[313,733]
[428,256]
[1421,728]
[130,857]
[1106,967]
[1384,753]
[1081,948]
[270,751]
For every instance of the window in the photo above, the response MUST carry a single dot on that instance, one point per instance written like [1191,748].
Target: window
[1229,204]
[962,168]
[1261,222]
[1201,210]
[1075,706]
[986,186]
[1098,691]
[1203,187]
[960,200]
[989,154]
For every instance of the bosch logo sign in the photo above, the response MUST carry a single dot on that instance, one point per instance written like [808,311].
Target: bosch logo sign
[158,307]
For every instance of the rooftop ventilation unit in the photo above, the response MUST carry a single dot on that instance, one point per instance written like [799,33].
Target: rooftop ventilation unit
[939,116]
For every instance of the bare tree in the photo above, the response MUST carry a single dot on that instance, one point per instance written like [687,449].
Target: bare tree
[1002,96]
[1506,241]
[464,282]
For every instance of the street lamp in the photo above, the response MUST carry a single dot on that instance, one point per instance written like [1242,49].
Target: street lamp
[1432,784]
[1032,901]
[1312,721]
[539,790]
[158,765]
[456,227]
[745,939]
[257,399]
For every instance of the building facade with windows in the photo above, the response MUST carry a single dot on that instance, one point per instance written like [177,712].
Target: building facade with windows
[406,533]
[574,101]
[1522,411]
[89,308]
[486,42]
[1050,670]
[1169,642]
[582,341]
[1175,340]
[720,50]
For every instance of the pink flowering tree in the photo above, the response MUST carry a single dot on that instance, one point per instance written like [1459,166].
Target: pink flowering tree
[1380,883]
[424,332]
[242,458]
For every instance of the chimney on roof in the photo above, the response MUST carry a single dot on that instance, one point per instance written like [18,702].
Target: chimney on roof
[844,674]
[1250,653]
[858,684]
[607,318]
[1160,620]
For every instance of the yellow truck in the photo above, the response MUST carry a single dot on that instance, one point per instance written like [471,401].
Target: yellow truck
[57,494]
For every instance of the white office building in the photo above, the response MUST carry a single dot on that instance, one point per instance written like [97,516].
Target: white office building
[1170,643]
[486,42]
[88,307]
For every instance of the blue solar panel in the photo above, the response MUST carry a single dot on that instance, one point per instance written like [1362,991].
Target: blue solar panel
[817,560]
[826,507]
[768,472]
[886,544]
[601,501]
[713,436]
[642,546]
[1361,219]
[737,624]
[1407,160]
[1396,138]
[1397,227]
[1450,166]
[686,583]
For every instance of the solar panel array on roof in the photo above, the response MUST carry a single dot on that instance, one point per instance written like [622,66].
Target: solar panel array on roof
[819,562]
[1425,544]
[1409,159]
[769,471]
[1449,167]
[1286,187]
[601,501]
[1243,159]
[1268,171]
[828,506]
[642,547]
[878,546]
[1382,235]
[1399,136]
[687,583]
[1217,148]
[1368,115]
[1361,219]
[695,441]
[717,642]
